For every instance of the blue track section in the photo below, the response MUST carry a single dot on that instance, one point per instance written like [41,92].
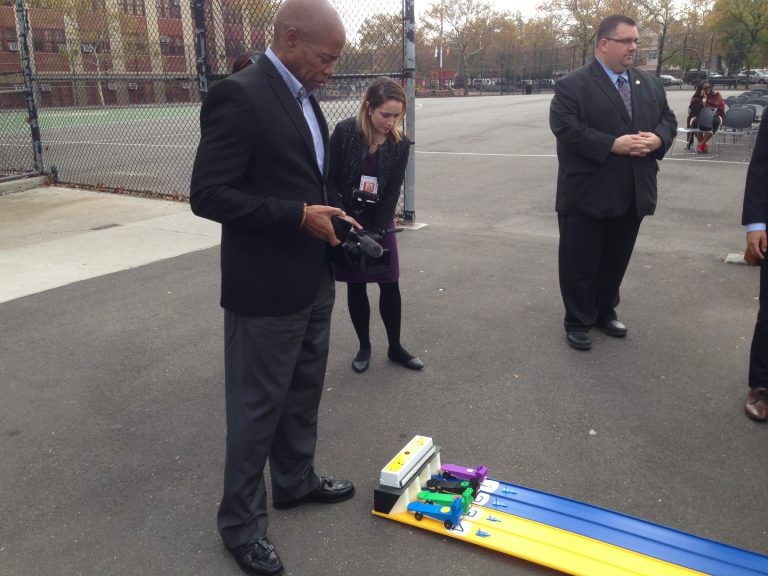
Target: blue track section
[627,532]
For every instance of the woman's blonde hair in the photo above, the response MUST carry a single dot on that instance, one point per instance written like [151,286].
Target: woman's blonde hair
[381,90]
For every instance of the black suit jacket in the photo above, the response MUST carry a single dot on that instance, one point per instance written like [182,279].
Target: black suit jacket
[586,115]
[756,190]
[254,170]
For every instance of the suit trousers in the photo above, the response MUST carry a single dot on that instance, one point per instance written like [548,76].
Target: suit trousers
[758,354]
[274,373]
[593,256]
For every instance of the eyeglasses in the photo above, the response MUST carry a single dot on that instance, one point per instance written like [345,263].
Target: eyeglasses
[625,41]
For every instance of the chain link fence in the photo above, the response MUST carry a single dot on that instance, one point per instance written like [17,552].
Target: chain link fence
[116,85]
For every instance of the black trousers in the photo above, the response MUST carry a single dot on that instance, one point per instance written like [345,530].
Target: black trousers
[758,354]
[274,369]
[593,256]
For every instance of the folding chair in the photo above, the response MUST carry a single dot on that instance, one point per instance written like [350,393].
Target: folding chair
[704,124]
[736,129]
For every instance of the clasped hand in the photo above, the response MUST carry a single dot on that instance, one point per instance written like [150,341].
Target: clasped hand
[640,144]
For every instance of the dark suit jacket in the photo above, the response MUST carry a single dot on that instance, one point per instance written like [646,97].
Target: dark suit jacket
[348,150]
[254,170]
[756,190]
[586,115]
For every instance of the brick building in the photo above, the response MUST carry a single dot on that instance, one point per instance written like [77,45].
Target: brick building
[122,52]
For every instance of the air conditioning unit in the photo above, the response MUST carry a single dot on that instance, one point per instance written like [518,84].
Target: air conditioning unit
[111,86]
[165,39]
[133,86]
[19,88]
[177,2]
[13,46]
[45,87]
[87,48]
[185,85]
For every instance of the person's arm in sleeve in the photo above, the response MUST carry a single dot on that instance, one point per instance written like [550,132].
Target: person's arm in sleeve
[385,209]
[228,131]
[755,208]
[565,121]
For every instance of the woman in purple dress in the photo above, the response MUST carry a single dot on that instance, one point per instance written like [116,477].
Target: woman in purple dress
[370,153]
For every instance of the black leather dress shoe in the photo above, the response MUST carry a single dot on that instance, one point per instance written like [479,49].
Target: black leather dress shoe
[402,356]
[612,328]
[329,492]
[361,361]
[578,339]
[258,558]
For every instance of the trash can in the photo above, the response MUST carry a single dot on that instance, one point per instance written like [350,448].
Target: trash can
[528,88]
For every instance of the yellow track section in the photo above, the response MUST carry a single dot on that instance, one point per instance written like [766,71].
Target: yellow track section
[553,547]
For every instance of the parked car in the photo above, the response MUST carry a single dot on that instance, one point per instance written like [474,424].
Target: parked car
[694,76]
[755,75]
[668,80]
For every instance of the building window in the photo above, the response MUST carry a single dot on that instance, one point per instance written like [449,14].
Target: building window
[134,7]
[9,42]
[231,14]
[169,8]
[48,39]
[171,45]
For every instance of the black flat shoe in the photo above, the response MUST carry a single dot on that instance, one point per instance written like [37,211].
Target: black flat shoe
[329,492]
[578,340]
[402,356]
[361,361]
[612,328]
[258,558]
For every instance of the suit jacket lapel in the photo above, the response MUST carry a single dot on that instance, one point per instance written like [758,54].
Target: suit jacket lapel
[291,106]
[608,88]
[323,130]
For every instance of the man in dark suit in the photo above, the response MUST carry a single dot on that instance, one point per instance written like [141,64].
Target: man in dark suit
[260,171]
[612,126]
[755,217]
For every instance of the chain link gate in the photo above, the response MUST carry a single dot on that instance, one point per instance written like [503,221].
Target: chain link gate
[118,83]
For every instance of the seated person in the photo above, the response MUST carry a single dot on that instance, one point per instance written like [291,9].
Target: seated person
[704,97]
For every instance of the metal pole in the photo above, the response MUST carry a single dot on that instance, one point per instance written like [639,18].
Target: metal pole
[409,25]
[201,49]
[29,88]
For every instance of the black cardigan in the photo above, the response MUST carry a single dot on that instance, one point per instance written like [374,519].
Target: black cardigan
[348,149]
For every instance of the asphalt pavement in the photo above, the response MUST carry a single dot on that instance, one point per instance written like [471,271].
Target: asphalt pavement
[111,367]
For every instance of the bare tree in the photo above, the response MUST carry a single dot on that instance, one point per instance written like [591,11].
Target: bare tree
[461,24]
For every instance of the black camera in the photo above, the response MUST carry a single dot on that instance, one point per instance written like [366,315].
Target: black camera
[360,250]
[362,203]
[363,252]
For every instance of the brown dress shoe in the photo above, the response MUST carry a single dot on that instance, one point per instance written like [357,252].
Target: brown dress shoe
[757,404]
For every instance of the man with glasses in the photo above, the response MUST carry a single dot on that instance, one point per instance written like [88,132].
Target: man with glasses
[612,125]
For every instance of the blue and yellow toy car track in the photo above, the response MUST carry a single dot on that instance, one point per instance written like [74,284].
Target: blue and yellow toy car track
[563,534]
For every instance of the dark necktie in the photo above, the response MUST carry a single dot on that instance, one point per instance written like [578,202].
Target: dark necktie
[626,94]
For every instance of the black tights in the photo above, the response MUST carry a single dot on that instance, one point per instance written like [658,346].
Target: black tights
[389,307]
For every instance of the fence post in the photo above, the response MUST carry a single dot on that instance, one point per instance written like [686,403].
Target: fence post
[409,67]
[29,87]
[201,48]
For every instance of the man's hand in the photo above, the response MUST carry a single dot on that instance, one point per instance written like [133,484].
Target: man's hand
[757,244]
[640,144]
[649,142]
[317,222]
